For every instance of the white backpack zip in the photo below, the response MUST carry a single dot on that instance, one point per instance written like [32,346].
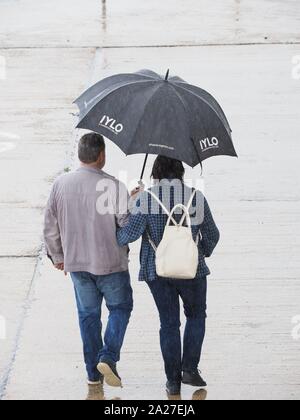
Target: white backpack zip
[177,256]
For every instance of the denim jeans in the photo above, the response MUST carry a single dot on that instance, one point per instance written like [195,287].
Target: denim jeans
[90,290]
[167,294]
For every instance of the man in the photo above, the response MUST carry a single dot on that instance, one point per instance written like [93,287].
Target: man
[84,210]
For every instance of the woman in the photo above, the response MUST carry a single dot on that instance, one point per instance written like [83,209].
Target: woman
[148,220]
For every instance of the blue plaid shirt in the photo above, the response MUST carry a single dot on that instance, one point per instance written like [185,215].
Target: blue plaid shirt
[149,219]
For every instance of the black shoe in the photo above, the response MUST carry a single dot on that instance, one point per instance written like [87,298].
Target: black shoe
[173,388]
[193,379]
[110,373]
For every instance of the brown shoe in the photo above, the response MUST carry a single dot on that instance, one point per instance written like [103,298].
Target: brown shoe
[200,395]
[95,393]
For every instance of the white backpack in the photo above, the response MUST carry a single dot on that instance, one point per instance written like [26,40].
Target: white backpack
[177,256]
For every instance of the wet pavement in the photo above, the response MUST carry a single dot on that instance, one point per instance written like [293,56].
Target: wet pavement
[242,52]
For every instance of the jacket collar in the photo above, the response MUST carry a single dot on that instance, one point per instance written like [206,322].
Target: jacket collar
[93,170]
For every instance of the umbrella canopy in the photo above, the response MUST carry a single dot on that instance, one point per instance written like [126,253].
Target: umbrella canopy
[146,113]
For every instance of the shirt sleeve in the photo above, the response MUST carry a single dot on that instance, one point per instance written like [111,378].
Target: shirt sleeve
[52,236]
[134,229]
[210,232]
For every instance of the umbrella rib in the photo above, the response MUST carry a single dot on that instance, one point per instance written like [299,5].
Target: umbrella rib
[203,100]
[144,111]
[119,75]
[185,107]
[188,114]
[113,91]
[150,77]
[203,125]
[182,101]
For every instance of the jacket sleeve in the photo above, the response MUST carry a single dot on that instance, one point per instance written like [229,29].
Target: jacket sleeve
[210,232]
[52,236]
[134,229]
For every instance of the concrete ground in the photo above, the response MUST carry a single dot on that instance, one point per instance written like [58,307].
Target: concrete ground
[242,51]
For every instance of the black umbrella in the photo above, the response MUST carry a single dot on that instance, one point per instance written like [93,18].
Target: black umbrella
[146,113]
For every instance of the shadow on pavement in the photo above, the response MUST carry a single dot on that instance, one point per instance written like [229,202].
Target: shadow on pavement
[199,395]
[96,393]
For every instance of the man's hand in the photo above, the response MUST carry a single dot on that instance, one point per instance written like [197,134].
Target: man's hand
[60,266]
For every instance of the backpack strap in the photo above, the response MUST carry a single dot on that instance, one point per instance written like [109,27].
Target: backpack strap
[151,242]
[187,208]
[186,215]
[167,213]
[163,207]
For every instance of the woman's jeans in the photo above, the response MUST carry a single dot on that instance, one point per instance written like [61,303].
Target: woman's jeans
[90,291]
[167,294]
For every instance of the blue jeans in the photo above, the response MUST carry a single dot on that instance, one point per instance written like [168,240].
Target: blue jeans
[90,290]
[167,294]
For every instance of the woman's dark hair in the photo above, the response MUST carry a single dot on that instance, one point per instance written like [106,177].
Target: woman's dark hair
[167,168]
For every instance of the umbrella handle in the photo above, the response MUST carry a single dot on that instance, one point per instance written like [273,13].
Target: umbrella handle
[143,170]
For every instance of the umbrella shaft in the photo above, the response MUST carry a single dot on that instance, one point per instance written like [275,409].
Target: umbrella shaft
[144,167]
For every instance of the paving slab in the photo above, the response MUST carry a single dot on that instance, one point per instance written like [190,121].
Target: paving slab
[16,276]
[49,363]
[112,23]
[36,117]
[49,24]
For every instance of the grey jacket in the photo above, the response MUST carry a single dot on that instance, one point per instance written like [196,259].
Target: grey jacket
[82,215]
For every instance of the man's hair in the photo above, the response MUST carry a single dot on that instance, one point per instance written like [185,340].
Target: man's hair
[89,148]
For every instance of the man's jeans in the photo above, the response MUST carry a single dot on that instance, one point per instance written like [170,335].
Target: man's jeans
[167,294]
[90,291]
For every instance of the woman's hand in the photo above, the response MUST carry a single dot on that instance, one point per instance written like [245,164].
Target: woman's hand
[134,193]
